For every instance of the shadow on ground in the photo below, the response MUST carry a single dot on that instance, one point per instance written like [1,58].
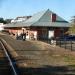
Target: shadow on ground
[49,70]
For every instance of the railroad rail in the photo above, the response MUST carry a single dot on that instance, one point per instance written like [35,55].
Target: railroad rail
[5,59]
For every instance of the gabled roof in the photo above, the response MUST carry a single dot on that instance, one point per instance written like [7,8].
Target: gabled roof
[43,18]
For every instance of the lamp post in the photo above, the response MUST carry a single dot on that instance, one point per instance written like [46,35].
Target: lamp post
[23,34]
[23,30]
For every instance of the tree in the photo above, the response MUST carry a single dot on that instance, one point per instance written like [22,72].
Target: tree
[8,21]
[2,21]
[72,29]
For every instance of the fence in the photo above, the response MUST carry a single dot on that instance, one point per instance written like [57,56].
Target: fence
[67,44]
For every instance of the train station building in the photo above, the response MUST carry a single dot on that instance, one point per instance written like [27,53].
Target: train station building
[42,25]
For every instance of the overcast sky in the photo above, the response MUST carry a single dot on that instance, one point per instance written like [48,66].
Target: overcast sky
[14,8]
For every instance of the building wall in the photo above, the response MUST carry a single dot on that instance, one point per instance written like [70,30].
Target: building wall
[40,33]
[57,32]
[60,31]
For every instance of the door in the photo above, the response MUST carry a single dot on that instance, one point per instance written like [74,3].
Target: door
[50,34]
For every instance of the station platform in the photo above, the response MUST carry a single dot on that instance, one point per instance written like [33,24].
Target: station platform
[37,54]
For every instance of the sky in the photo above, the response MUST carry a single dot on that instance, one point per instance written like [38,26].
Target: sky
[14,8]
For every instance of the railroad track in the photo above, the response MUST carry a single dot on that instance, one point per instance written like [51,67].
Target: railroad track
[6,65]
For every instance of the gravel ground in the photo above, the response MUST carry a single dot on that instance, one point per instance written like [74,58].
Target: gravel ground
[39,54]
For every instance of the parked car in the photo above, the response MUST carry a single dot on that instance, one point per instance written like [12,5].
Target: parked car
[67,38]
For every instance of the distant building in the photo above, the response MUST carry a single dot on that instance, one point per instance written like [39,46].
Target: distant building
[21,18]
[1,26]
[42,25]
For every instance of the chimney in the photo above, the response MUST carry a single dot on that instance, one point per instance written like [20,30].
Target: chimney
[53,17]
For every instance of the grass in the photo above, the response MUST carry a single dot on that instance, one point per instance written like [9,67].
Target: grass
[69,59]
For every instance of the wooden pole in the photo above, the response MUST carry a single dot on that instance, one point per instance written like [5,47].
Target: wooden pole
[65,44]
[71,45]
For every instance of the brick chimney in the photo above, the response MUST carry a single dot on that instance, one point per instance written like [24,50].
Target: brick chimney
[53,17]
